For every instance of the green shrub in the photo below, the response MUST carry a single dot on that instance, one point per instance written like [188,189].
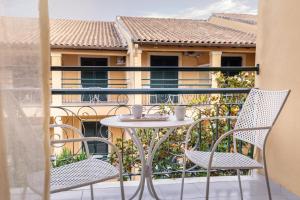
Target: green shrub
[67,157]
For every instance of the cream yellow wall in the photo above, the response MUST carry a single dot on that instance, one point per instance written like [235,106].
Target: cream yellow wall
[250,59]
[184,61]
[116,75]
[278,55]
[233,24]
[189,61]
[64,134]
[71,60]
[74,60]
[75,147]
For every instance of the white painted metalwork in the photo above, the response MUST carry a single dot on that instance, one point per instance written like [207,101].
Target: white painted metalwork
[86,172]
[254,123]
[222,160]
[146,161]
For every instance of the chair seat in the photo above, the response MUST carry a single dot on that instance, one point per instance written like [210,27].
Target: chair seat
[81,173]
[223,160]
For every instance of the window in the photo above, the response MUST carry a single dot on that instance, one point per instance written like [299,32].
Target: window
[91,79]
[164,79]
[94,129]
[231,61]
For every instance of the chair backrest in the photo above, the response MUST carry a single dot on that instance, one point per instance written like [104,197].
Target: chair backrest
[260,109]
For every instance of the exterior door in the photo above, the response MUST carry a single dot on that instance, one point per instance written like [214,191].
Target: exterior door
[164,79]
[94,129]
[91,79]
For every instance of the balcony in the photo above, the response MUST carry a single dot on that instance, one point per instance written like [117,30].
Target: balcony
[223,188]
[84,107]
[83,96]
[188,81]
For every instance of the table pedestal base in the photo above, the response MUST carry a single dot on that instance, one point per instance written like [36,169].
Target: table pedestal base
[146,170]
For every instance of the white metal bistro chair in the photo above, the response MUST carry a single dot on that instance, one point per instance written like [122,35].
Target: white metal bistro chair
[85,172]
[254,123]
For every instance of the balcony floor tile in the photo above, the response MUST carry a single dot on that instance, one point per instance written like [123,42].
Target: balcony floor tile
[222,188]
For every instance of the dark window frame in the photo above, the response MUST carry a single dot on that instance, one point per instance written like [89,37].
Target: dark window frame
[95,75]
[237,61]
[94,146]
[165,83]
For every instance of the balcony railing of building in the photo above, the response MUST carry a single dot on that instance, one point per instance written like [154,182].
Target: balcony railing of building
[110,85]
[117,98]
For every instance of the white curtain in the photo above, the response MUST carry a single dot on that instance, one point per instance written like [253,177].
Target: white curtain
[24,94]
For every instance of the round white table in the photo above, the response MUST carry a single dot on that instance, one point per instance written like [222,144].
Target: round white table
[131,129]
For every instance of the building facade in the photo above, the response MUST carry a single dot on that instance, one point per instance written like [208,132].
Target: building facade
[223,40]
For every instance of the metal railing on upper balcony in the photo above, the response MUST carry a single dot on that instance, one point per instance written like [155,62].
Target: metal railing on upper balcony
[201,100]
[110,85]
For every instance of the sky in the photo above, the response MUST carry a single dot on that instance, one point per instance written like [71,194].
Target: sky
[107,10]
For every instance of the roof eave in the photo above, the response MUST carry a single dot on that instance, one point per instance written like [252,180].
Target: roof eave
[88,47]
[197,44]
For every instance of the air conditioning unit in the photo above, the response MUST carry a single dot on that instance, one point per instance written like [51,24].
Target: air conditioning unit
[121,60]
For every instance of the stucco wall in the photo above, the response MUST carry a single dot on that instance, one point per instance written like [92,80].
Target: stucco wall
[278,55]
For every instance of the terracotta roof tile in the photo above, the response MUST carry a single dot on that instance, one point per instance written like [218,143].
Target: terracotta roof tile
[184,31]
[244,18]
[66,33]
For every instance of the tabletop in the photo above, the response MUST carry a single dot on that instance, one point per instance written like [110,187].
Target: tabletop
[171,123]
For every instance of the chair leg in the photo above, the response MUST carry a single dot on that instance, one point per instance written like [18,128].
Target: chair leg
[268,183]
[122,189]
[92,192]
[207,184]
[183,176]
[267,175]
[240,183]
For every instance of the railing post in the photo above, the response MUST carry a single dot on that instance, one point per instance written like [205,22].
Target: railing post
[56,60]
